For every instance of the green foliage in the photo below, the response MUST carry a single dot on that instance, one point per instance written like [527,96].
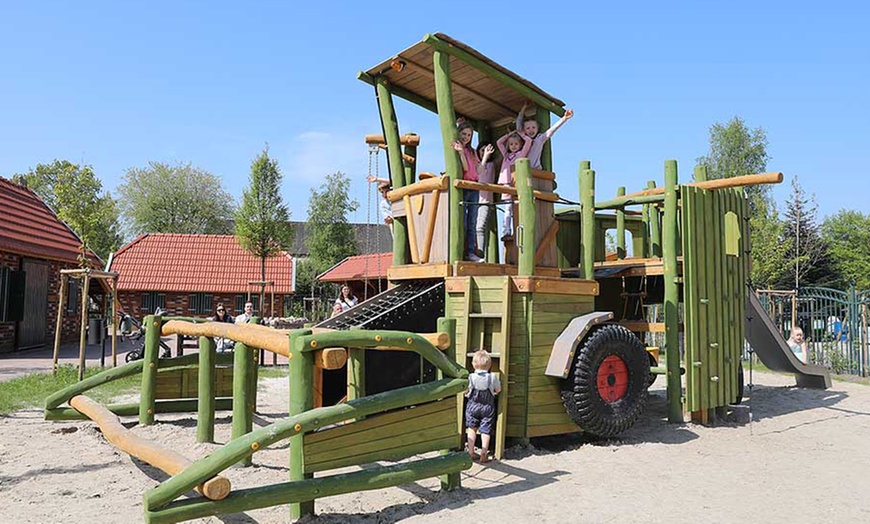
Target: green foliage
[847,235]
[76,195]
[806,254]
[330,238]
[30,390]
[262,221]
[769,245]
[182,198]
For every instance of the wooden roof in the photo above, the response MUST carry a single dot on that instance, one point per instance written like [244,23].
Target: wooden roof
[483,90]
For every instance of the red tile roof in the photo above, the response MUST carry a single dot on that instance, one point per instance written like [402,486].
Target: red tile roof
[29,227]
[196,264]
[359,267]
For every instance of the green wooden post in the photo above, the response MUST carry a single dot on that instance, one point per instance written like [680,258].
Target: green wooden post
[397,169]
[672,298]
[301,378]
[205,391]
[242,414]
[527,219]
[451,481]
[584,165]
[149,369]
[646,228]
[700,173]
[587,223]
[655,226]
[620,227]
[410,167]
[543,118]
[484,134]
[447,121]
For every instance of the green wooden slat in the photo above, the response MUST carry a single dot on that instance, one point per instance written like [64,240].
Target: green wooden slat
[706,296]
[408,450]
[690,293]
[717,352]
[671,298]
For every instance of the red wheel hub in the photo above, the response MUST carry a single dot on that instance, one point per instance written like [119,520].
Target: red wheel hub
[612,379]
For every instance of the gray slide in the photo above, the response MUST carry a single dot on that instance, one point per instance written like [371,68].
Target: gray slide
[772,349]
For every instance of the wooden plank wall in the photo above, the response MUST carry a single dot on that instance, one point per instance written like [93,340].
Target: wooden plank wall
[714,276]
[388,436]
[182,383]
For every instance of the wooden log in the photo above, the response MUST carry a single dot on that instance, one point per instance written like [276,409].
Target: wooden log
[164,459]
[412,229]
[417,188]
[408,159]
[293,425]
[243,412]
[301,400]
[629,200]
[148,393]
[655,227]
[452,165]
[394,161]
[722,183]
[506,190]
[412,97]
[548,239]
[672,296]
[700,174]
[430,226]
[132,409]
[620,227]
[82,348]
[497,74]
[538,173]
[249,334]
[587,223]
[408,139]
[409,155]
[205,390]
[59,325]
[526,220]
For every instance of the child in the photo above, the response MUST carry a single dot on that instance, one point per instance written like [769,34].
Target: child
[483,386]
[469,196]
[530,128]
[512,146]
[798,345]
[385,207]
[485,175]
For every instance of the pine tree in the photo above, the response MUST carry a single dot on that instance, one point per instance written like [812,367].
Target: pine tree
[806,254]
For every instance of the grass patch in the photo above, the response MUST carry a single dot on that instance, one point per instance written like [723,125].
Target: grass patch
[31,390]
[273,372]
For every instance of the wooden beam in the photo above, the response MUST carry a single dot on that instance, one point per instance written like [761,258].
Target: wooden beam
[414,98]
[555,286]
[430,226]
[57,330]
[408,139]
[548,239]
[538,173]
[452,165]
[412,229]
[424,186]
[476,94]
[722,183]
[164,459]
[505,190]
[405,272]
[496,74]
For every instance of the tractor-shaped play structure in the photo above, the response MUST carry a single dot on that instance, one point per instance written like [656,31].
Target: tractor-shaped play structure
[568,325]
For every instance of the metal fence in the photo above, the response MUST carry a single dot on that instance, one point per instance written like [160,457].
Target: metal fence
[835,324]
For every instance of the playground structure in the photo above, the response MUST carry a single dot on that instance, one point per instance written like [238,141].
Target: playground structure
[564,324]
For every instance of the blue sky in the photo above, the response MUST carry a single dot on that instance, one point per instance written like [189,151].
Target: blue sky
[118,84]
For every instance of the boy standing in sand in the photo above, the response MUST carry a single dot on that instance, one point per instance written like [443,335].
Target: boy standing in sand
[483,386]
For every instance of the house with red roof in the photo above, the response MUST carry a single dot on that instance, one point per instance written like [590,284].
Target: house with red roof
[365,274]
[188,275]
[34,246]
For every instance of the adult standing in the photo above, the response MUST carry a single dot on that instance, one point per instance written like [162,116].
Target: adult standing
[346,299]
[245,318]
[222,315]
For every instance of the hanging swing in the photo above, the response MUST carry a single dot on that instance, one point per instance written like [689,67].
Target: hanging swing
[368,251]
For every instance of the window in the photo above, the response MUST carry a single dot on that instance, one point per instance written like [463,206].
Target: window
[72,295]
[199,304]
[240,303]
[151,300]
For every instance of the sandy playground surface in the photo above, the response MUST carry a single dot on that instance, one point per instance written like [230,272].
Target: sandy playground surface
[804,458]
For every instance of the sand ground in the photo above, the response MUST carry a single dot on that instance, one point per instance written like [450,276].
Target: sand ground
[803,458]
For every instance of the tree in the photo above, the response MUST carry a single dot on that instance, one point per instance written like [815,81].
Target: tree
[736,150]
[76,195]
[174,199]
[805,253]
[329,236]
[262,221]
[847,235]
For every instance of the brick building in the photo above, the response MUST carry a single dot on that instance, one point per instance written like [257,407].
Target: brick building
[34,246]
[188,275]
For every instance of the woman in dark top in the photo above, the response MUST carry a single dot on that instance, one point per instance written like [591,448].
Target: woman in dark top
[222,315]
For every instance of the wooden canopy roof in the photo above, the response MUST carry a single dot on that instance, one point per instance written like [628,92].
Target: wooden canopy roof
[483,91]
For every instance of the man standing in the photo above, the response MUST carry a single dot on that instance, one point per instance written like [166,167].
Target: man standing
[245,318]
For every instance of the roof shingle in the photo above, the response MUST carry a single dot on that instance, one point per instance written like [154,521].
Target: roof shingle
[196,264]
[359,267]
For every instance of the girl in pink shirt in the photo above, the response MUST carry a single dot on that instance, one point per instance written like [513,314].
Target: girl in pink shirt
[512,146]
[470,197]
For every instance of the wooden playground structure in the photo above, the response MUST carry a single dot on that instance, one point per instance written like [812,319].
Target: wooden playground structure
[565,324]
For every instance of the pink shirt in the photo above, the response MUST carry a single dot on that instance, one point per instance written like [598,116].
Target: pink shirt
[471,161]
[504,175]
[486,175]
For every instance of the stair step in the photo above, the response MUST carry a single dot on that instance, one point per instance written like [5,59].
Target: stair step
[484,315]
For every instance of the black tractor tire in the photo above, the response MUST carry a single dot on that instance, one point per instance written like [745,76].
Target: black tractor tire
[606,389]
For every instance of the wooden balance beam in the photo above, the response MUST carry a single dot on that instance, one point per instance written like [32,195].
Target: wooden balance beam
[721,183]
[164,459]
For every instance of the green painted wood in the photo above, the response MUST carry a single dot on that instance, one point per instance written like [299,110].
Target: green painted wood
[655,225]
[709,396]
[132,409]
[672,298]
[620,226]
[728,225]
[527,219]
[237,449]
[494,73]
[374,338]
[452,166]
[410,168]
[647,238]
[625,201]
[700,173]
[243,420]
[149,369]
[543,117]
[294,492]
[587,224]
[301,367]
[390,124]
[742,268]
[59,397]
[206,392]
[691,297]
